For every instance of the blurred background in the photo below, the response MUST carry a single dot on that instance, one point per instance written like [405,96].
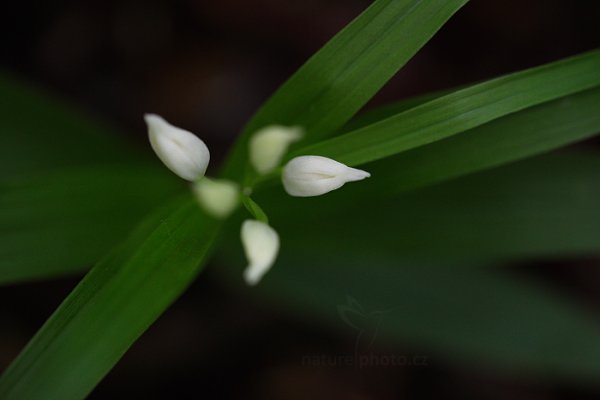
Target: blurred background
[206,66]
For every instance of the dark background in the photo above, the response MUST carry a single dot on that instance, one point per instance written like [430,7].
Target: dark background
[207,66]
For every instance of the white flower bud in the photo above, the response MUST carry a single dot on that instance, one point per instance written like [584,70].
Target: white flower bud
[269,144]
[181,151]
[307,176]
[261,245]
[218,197]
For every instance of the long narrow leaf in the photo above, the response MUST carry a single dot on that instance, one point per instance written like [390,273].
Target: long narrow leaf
[339,79]
[524,134]
[113,305]
[389,110]
[462,110]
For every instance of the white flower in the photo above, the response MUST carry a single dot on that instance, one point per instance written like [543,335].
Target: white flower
[269,144]
[181,151]
[261,245]
[306,176]
[218,197]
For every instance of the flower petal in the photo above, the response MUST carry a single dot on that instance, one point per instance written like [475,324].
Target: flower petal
[268,146]
[261,245]
[181,151]
[307,176]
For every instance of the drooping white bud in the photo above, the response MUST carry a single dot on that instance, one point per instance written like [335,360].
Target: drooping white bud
[218,197]
[307,176]
[269,144]
[261,245]
[181,151]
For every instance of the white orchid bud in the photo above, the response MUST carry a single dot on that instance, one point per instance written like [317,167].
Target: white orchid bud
[269,144]
[181,151]
[261,245]
[307,176]
[218,197]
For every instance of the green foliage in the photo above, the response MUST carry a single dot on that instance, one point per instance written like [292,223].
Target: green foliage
[70,193]
[341,77]
[534,209]
[464,109]
[39,133]
[113,305]
[477,315]
[63,221]
[516,136]
[428,259]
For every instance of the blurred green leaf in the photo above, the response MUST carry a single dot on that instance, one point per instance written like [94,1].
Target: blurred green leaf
[63,221]
[539,208]
[340,78]
[478,316]
[462,110]
[40,132]
[113,305]
[426,258]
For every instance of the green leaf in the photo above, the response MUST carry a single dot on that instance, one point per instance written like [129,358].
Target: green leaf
[514,137]
[113,305]
[386,260]
[448,313]
[339,79]
[38,132]
[450,309]
[544,207]
[522,211]
[462,110]
[63,221]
